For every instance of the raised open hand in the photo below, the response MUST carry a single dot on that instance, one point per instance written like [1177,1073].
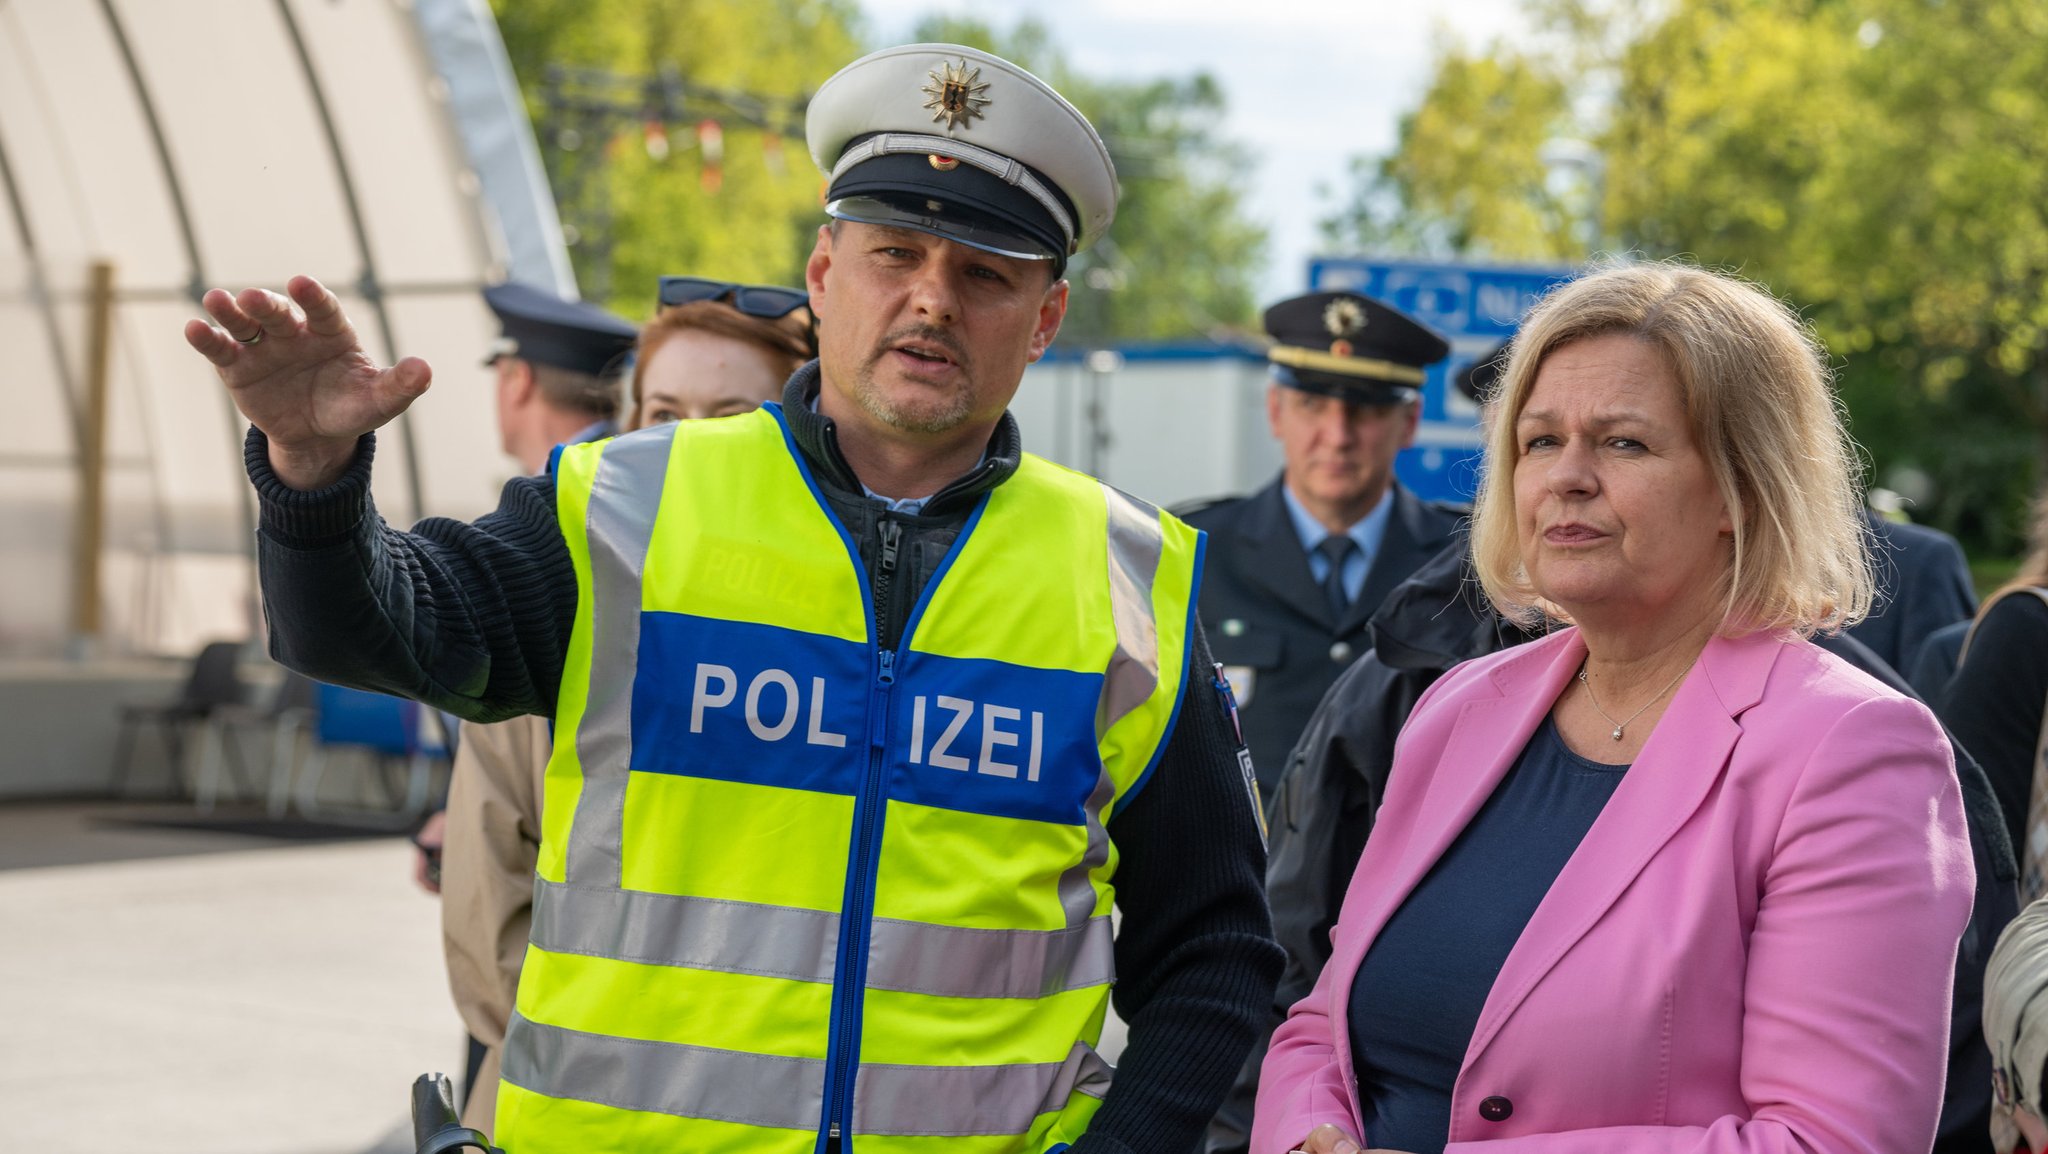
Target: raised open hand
[295,368]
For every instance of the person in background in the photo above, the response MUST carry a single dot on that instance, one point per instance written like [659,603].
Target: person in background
[559,365]
[1997,702]
[701,356]
[1296,569]
[713,348]
[1923,587]
[2016,1026]
[1670,877]
[1940,653]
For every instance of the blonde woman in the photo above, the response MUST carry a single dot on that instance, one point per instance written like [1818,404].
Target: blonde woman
[1671,878]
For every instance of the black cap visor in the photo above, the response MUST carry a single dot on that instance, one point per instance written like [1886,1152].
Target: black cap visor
[1356,390]
[947,223]
[959,202]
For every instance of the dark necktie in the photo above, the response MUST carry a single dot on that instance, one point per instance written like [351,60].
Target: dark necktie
[1335,550]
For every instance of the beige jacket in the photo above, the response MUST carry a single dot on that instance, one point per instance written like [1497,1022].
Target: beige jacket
[491,842]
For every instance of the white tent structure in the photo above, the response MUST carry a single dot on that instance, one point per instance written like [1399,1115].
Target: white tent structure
[176,145]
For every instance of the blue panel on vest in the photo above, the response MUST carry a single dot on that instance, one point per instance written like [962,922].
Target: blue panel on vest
[750,703]
[765,706]
[994,738]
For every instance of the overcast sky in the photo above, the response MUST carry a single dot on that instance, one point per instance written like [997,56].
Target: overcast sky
[1310,82]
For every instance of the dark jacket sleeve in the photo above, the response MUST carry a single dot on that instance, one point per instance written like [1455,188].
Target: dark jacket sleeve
[1321,815]
[470,618]
[1195,956]
[1936,591]
[1994,703]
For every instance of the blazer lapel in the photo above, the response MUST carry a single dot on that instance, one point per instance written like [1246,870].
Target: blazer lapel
[1270,554]
[1488,737]
[1680,763]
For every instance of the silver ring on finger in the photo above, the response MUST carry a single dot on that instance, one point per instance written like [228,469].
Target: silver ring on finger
[257,339]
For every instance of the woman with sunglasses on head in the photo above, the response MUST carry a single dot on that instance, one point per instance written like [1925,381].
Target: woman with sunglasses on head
[716,349]
[713,349]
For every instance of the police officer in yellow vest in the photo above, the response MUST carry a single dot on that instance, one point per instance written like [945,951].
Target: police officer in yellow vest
[864,718]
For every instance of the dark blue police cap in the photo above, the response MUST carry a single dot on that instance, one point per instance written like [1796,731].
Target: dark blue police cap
[541,327]
[1346,345]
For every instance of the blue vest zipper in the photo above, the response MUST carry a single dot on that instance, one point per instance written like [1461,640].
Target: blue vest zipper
[856,919]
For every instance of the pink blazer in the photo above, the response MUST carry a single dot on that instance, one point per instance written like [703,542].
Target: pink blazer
[1751,950]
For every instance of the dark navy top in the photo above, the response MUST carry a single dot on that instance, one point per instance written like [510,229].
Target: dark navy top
[1418,994]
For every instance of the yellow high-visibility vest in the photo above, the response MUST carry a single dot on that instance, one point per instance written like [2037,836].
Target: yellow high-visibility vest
[800,894]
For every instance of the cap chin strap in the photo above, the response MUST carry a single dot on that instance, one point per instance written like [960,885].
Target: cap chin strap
[996,164]
[1296,357]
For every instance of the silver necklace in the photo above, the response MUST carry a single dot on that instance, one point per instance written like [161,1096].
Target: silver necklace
[1623,724]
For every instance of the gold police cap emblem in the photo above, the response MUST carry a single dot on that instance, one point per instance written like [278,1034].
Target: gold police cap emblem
[956,95]
[1343,317]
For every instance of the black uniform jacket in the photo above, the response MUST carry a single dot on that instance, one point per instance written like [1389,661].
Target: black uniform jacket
[1265,615]
[1336,775]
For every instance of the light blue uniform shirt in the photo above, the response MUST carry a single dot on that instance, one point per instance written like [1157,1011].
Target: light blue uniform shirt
[909,506]
[1366,534]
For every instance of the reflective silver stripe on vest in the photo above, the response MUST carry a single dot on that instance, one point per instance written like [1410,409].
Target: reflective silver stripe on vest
[957,1101]
[778,941]
[1135,545]
[619,524]
[664,1077]
[788,1093]
[1077,892]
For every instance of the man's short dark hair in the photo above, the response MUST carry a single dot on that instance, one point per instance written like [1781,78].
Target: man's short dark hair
[571,391]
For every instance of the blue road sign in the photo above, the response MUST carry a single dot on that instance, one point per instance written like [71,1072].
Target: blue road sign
[1475,307]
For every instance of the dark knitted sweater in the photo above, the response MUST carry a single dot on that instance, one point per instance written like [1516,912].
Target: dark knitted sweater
[474,618]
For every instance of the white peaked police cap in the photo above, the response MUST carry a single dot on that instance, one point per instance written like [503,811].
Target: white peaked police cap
[955,142]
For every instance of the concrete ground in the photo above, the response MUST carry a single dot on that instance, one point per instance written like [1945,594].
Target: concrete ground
[191,991]
[185,991]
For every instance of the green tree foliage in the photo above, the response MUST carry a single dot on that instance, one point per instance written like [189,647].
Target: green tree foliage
[653,202]
[1483,113]
[1181,258]
[1879,163]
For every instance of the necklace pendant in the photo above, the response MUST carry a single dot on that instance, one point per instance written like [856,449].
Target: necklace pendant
[1616,735]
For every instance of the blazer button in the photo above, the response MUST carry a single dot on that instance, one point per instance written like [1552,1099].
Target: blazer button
[1496,1109]
[1340,652]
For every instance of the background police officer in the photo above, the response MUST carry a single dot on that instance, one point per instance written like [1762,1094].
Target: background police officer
[1296,569]
[560,367]
[857,889]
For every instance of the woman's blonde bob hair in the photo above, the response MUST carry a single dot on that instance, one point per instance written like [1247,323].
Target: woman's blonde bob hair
[1758,397]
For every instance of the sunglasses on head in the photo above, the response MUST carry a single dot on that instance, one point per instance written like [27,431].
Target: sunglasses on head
[768,302]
